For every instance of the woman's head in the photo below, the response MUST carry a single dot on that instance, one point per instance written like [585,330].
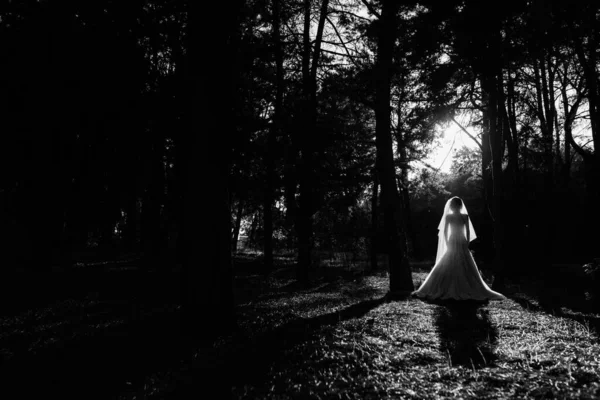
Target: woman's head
[456,204]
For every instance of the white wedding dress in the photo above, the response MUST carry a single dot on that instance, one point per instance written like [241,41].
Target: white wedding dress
[455,274]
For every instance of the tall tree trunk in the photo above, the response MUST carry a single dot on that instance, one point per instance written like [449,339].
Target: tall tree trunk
[511,194]
[303,216]
[274,132]
[544,83]
[515,196]
[497,197]
[490,86]
[486,173]
[587,57]
[207,268]
[307,176]
[400,273]
[45,177]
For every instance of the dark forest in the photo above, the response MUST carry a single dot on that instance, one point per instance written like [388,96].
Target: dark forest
[240,197]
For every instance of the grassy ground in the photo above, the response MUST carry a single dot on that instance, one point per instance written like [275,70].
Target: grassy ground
[343,338]
[355,343]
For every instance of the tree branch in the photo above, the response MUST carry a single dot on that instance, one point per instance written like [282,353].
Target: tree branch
[342,42]
[371,8]
[349,13]
[467,133]
[295,35]
[341,54]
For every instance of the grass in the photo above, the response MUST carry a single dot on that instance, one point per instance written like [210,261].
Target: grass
[342,338]
[412,349]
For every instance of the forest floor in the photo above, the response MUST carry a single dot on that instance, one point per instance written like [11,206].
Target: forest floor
[342,338]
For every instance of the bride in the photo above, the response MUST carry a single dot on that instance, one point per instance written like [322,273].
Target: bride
[455,274]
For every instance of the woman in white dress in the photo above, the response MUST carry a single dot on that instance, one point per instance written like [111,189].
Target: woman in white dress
[455,274]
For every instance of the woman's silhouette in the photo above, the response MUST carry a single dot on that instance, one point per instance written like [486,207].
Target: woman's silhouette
[455,274]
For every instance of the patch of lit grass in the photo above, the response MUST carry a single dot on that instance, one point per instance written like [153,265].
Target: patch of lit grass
[400,349]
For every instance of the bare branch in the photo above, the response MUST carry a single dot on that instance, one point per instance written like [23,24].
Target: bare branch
[371,9]
[342,42]
[342,55]
[467,133]
[349,13]
[294,34]
[319,38]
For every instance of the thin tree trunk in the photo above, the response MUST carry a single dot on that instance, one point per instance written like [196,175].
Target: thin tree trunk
[408,226]
[511,135]
[591,78]
[568,130]
[254,228]
[237,225]
[374,219]
[547,80]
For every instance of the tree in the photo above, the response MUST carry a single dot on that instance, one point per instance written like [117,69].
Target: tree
[400,274]
[208,291]
[274,133]
[306,171]
[586,41]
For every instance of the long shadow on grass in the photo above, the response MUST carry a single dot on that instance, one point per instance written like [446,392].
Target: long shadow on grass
[467,335]
[254,358]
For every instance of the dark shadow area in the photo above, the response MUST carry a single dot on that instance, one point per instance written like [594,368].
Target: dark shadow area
[526,303]
[104,336]
[329,280]
[256,355]
[564,290]
[556,309]
[96,333]
[467,335]
[556,287]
